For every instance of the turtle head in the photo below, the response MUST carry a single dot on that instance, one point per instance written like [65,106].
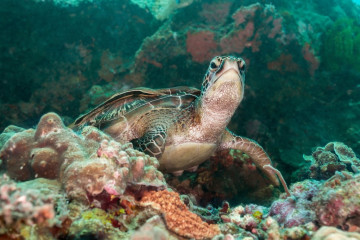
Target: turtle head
[223,86]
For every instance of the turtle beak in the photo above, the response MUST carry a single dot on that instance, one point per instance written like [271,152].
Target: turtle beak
[231,70]
[231,74]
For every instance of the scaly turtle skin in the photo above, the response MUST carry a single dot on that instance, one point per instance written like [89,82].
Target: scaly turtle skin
[182,127]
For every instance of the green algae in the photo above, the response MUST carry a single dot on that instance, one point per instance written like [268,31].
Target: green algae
[341,46]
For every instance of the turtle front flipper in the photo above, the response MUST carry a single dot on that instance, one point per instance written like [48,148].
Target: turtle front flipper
[253,150]
[152,142]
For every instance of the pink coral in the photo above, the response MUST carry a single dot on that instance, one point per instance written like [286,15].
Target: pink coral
[277,28]
[338,205]
[242,15]
[284,63]
[248,31]
[85,164]
[22,205]
[237,41]
[201,45]
[246,34]
[312,60]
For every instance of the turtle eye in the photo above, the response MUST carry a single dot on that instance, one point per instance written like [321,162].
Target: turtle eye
[242,65]
[214,64]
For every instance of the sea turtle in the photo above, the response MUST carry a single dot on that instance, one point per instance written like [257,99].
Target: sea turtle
[182,126]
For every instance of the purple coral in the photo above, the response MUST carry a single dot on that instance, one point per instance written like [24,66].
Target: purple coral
[297,209]
[85,164]
[331,203]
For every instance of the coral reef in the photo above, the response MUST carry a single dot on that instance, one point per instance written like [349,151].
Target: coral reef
[201,45]
[337,203]
[296,209]
[311,204]
[177,217]
[332,233]
[117,192]
[287,46]
[334,157]
[153,228]
[342,40]
[254,222]
[247,218]
[69,55]
[250,26]
[36,202]
[70,59]
[96,223]
[330,203]
[162,9]
[85,164]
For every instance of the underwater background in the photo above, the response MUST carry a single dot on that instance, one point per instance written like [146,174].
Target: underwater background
[301,104]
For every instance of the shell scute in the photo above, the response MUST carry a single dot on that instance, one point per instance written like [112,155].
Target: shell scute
[135,102]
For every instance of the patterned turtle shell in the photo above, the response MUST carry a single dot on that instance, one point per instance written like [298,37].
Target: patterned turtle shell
[137,101]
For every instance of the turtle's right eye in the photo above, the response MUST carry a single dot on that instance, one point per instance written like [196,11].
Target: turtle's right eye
[242,65]
[214,64]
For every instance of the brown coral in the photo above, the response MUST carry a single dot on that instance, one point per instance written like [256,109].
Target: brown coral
[85,164]
[335,156]
[177,216]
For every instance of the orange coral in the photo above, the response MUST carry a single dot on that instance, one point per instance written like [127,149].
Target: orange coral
[177,216]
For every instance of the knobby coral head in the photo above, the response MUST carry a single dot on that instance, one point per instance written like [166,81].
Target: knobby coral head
[86,164]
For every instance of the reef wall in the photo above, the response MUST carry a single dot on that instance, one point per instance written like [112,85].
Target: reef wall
[68,56]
